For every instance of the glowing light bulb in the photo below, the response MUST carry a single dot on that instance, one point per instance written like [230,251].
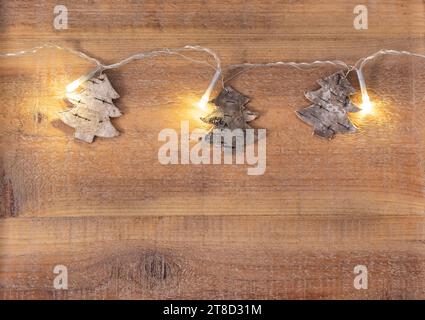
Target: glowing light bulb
[202,104]
[366,106]
[75,84]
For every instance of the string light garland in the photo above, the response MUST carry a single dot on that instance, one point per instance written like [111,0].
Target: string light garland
[139,56]
[366,105]
[89,116]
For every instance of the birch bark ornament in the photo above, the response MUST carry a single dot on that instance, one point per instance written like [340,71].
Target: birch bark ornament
[329,113]
[92,108]
[230,114]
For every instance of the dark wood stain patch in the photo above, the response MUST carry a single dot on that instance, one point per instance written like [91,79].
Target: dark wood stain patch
[7,207]
[144,272]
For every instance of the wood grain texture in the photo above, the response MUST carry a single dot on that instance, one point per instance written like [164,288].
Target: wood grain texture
[128,227]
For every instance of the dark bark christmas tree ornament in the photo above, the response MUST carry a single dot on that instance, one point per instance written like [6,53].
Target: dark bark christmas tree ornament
[230,114]
[92,108]
[331,104]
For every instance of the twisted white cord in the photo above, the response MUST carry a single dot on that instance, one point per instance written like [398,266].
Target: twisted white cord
[139,56]
[180,52]
[297,65]
[306,65]
[363,61]
[54,46]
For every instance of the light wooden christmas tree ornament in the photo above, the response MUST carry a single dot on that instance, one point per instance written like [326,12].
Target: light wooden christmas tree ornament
[92,109]
[331,104]
[230,114]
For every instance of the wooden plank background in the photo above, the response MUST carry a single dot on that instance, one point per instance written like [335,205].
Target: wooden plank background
[128,227]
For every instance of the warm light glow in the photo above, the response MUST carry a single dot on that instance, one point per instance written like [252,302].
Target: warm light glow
[202,104]
[73,86]
[366,106]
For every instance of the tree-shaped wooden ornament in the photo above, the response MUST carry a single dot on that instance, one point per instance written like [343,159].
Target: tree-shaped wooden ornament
[329,113]
[230,113]
[92,108]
